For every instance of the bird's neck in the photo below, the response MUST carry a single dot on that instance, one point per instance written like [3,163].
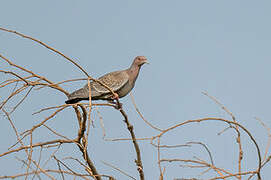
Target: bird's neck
[134,71]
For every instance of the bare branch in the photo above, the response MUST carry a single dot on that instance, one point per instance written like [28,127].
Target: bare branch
[136,146]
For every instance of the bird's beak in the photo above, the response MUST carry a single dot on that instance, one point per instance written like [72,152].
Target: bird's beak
[147,62]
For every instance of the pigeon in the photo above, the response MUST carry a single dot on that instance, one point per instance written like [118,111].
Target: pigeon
[121,82]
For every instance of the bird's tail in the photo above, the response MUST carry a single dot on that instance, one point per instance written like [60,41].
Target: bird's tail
[78,95]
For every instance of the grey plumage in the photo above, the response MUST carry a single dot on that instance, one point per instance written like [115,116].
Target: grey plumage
[121,82]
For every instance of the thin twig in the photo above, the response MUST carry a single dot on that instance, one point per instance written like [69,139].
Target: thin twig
[118,169]
[56,141]
[47,46]
[140,114]
[206,148]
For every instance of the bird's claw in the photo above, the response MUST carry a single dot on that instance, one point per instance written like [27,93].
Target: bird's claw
[115,96]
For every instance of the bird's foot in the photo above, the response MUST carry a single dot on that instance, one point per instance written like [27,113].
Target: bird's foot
[115,96]
[117,104]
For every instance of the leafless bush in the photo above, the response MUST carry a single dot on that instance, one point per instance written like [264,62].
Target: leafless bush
[24,81]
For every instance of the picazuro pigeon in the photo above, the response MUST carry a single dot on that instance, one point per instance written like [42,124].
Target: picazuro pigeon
[121,82]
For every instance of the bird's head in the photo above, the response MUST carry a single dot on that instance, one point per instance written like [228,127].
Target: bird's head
[140,60]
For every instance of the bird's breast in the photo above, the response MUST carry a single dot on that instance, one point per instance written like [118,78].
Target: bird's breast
[125,90]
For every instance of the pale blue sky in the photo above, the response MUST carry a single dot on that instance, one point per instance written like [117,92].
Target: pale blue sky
[222,47]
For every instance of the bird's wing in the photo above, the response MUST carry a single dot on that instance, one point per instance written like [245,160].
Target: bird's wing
[115,80]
